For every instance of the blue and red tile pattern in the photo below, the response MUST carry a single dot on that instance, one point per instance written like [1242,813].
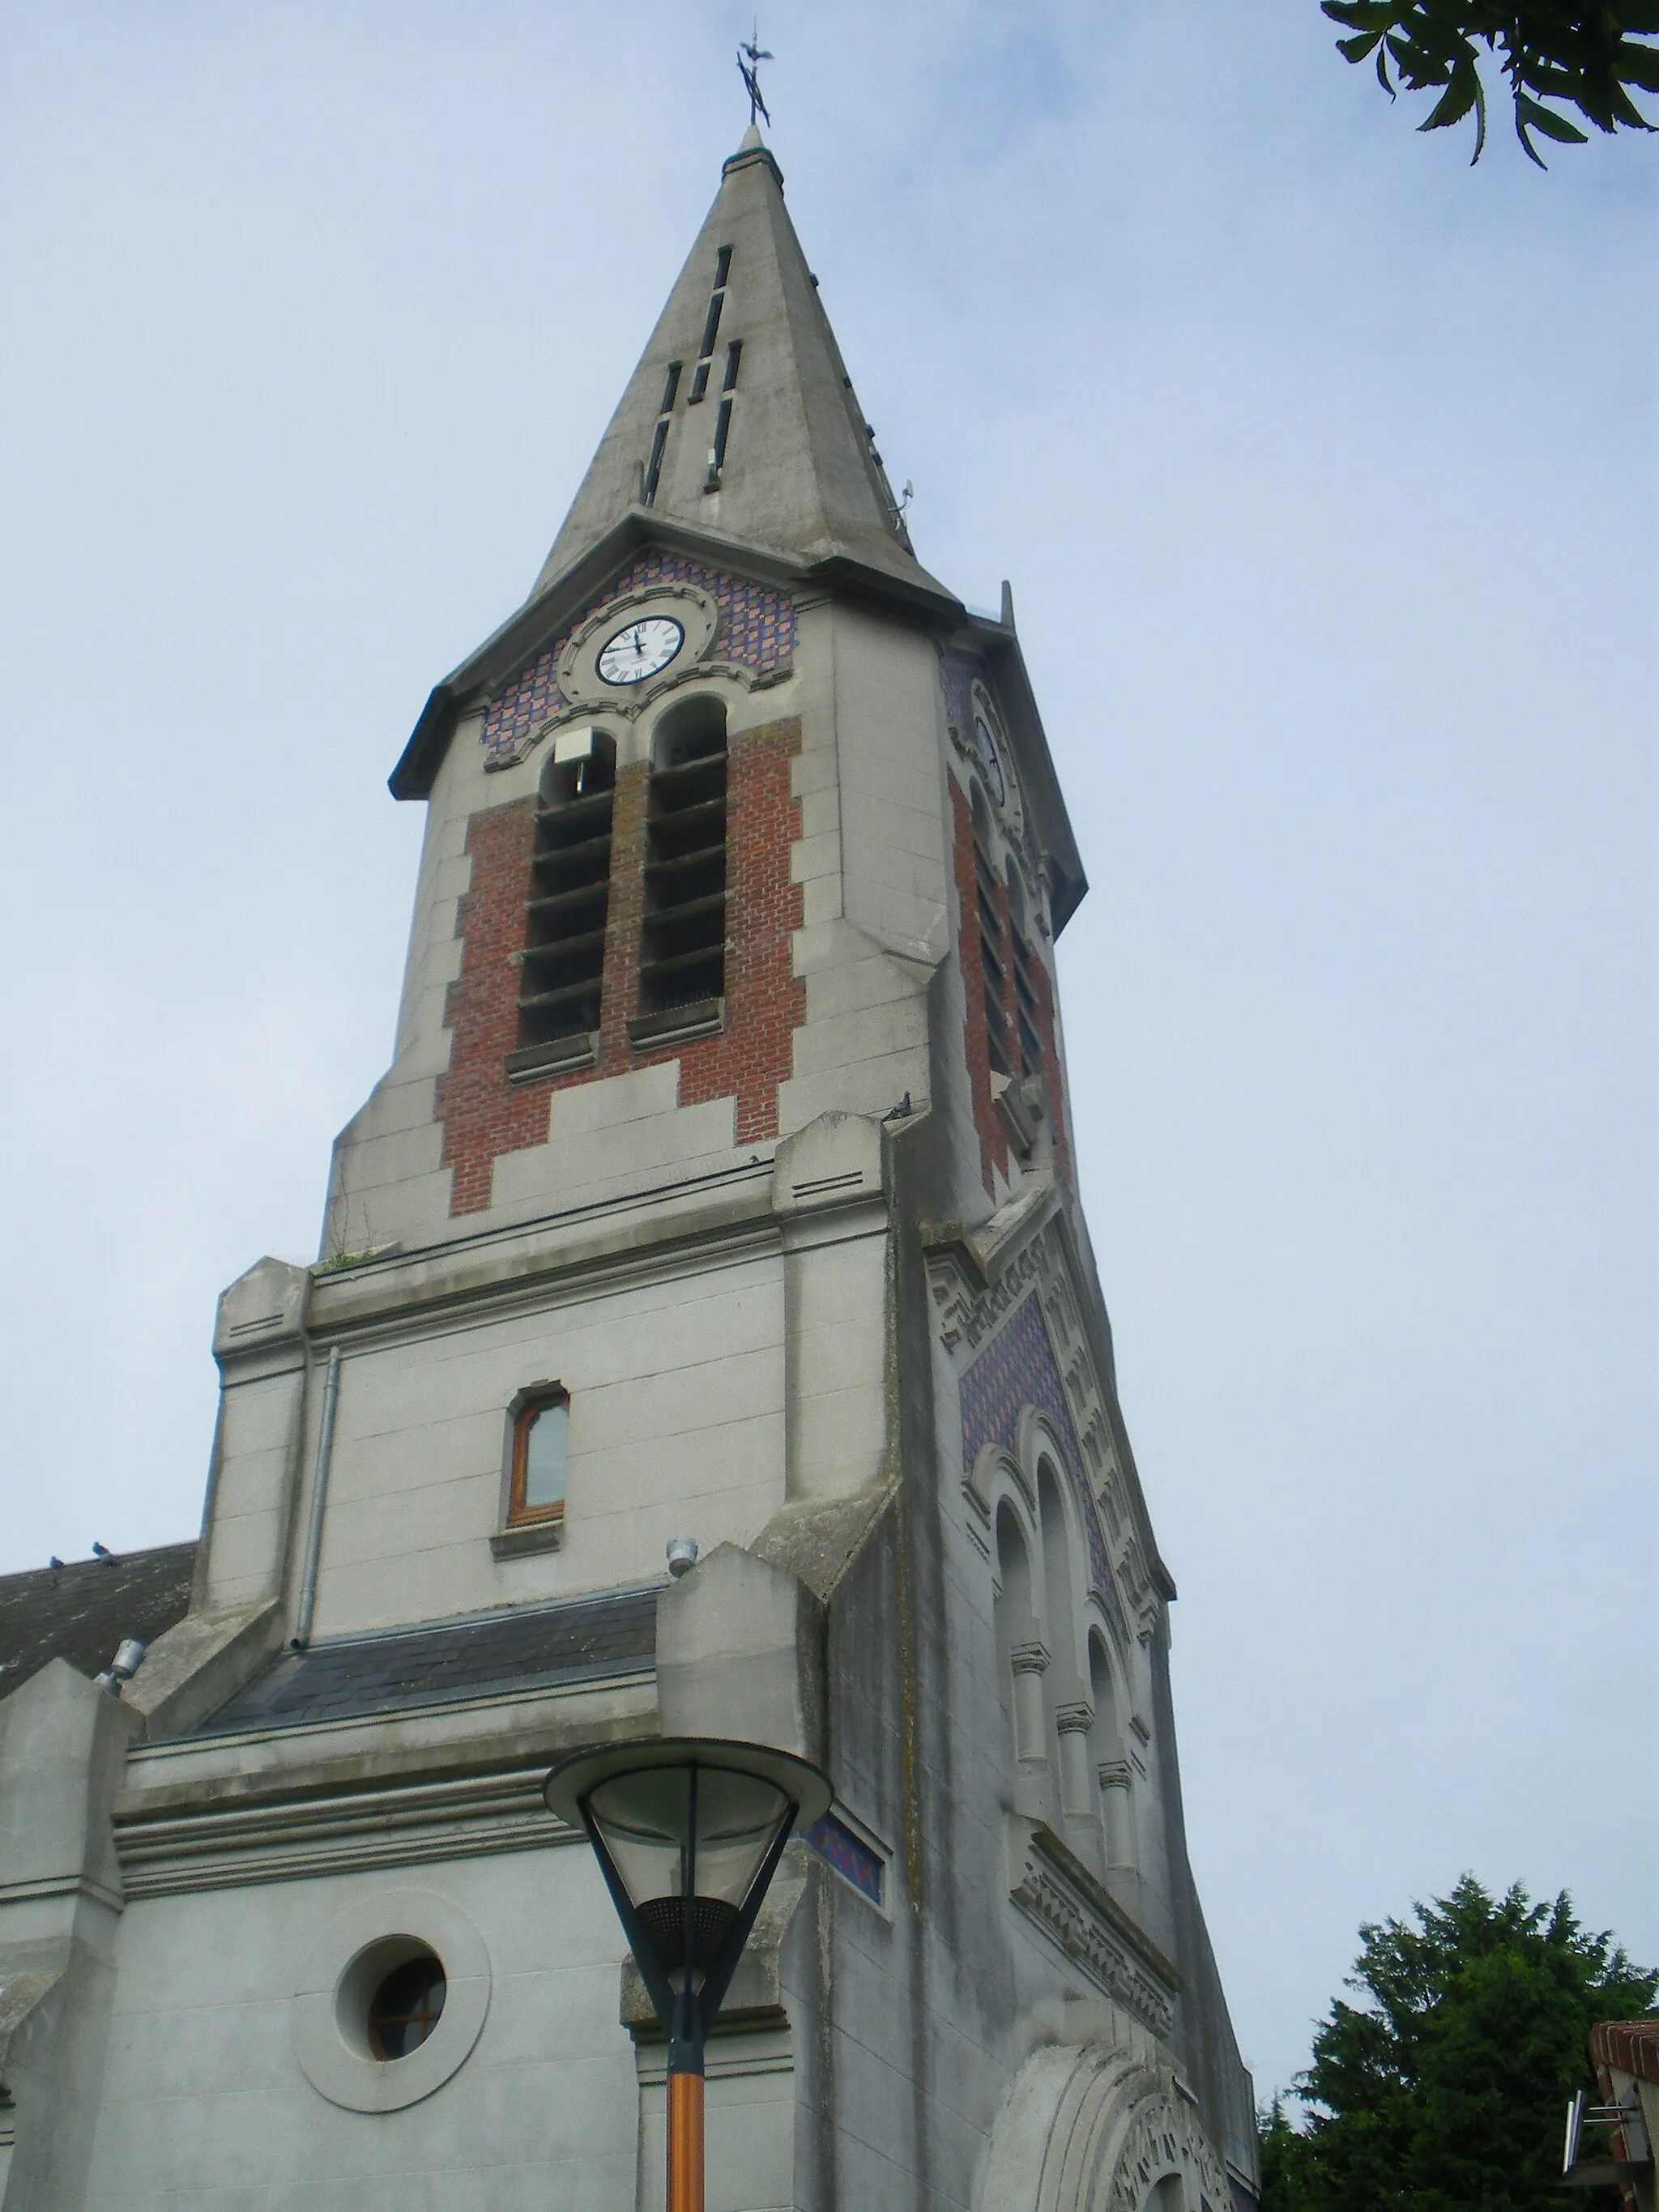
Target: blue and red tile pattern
[960,671]
[1016,1370]
[757,628]
[834,1840]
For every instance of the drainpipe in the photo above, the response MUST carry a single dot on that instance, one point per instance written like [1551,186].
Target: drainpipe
[319,1498]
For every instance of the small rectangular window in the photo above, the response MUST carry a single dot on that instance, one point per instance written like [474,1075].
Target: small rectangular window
[722,431]
[733,355]
[722,266]
[654,466]
[699,383]
[711,328]
[541,1443]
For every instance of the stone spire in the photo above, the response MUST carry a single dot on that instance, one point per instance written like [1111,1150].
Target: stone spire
[759,437]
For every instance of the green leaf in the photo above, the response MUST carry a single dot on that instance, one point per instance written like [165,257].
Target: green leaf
[1639,66]
[1552,126]
[1455,103]
[1622,109]
[1362,15]
[1359,46]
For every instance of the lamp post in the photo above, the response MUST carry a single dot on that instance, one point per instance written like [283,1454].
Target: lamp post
[688,1832]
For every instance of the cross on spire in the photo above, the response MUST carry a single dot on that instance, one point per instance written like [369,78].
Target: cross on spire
[750,55]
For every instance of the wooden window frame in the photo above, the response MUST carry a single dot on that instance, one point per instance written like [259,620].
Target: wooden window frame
[526,1408]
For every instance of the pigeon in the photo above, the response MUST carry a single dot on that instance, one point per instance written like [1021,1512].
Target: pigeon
[54,1563]
[102,1551]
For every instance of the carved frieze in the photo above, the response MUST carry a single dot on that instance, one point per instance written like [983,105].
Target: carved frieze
[1059,1893]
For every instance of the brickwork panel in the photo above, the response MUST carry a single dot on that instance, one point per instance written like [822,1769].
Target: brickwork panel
[1054,1088]
[993,1134]
[482,1114]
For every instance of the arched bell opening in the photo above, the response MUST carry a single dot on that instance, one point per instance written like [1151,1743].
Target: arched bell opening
[569,905]
[683,939]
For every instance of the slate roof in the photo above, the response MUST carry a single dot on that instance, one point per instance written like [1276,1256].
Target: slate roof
[81,1611]
[528,1649]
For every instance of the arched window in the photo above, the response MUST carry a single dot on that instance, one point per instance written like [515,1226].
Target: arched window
[1024,1660]
[683,942]
[541,1443]
[569,901]
[1070,1711]
[1115,1778]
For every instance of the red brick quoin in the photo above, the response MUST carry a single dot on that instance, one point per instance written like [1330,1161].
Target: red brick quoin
[993,1149]
[482,1114]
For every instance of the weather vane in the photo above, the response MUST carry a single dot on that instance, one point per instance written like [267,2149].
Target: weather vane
[749,57]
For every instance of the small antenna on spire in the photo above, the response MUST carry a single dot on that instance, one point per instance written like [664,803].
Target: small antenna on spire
[750,55]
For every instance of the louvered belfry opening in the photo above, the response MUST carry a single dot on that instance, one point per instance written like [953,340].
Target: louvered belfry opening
[682,946]
[570,896]
[1026,995]
[990,938]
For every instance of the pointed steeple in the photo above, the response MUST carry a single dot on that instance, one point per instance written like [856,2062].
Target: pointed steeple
[741,419]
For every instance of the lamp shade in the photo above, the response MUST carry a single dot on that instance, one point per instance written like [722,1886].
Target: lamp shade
[684,1827]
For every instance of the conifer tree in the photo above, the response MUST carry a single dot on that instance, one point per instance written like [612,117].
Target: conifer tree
[1443,2090]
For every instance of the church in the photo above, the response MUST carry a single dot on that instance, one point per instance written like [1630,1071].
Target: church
[706,1341]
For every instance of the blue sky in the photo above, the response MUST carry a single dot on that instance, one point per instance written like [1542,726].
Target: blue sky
[1323,468]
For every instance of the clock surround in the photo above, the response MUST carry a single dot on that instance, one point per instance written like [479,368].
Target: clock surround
[653,613]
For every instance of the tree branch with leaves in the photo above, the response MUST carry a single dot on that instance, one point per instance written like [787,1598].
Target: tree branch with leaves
[1586,58]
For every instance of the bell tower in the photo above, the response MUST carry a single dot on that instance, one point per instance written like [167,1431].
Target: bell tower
[720,1202]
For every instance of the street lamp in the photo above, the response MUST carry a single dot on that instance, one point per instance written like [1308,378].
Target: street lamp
[688,1832]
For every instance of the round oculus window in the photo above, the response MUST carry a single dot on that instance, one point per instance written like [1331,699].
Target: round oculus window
[640,651]
[406,2006]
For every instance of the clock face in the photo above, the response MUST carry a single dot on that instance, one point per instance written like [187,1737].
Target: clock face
[991,759]
[641,650]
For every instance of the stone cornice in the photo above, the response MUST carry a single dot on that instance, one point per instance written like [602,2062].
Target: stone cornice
[224,1846]
[646,1236]
[205,1776]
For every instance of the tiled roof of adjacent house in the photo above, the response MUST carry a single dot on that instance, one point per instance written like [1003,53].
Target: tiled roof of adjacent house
[80,1610]
[529,1648]
[1631,2045]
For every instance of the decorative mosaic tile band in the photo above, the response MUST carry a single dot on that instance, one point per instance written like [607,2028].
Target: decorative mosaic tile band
[1017,1368]
[834,1840]
[757,628]
[961,672]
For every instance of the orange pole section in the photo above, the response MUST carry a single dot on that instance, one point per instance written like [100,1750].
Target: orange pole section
[685,2142]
